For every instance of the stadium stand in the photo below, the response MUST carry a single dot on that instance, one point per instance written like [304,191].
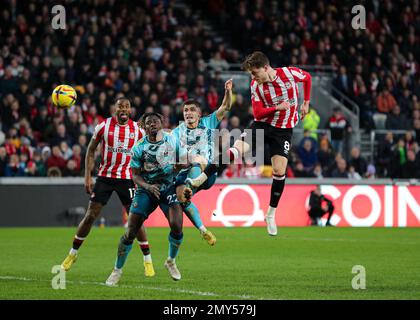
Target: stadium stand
[160,53]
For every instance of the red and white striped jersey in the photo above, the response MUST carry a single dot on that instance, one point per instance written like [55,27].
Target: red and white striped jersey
[117,141]
[266,96]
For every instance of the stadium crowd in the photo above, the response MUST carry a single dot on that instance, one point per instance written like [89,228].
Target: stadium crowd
[159,54]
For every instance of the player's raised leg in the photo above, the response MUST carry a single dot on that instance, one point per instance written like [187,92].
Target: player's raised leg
[235,153]
[184,194]
[92,213]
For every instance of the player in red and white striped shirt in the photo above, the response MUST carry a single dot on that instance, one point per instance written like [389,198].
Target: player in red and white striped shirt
[117,135]
[274,97]
[116,141]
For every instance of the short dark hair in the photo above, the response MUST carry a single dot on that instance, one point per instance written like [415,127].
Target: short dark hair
[143,118]
[191,101]
[122,98]
[256,59]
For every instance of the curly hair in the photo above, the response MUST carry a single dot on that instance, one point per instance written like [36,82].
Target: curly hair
[143,118]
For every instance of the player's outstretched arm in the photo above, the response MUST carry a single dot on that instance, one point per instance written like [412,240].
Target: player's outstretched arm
[90,164]
[227,101]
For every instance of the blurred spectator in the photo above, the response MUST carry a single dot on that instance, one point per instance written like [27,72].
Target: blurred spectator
[339,127]
[341,170]
[45,154]
[311,122]
[2,136]
[56,159]
[31,169]
[408,139]
[235,123]
[411,168]
[416,128]
[300,172]
[358,163]
[72,124]
[399,159]
[367,109]
[41,170]
[396,121]
[307,154]
[325,155]
[23,163]
[217,63]
[3,160]
[371,172]
[66,152]
[41,122]
[71,169]
[385,154]
[307,136]
[241,110]
[353,174]
[385,101]
[342,81]
[212,99]
[77,157]
[60,136]
[318,171]
[13,168]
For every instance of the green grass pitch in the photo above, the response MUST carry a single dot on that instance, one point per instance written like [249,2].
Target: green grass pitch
[245,263]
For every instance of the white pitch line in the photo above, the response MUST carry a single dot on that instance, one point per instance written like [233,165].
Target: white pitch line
[197,293]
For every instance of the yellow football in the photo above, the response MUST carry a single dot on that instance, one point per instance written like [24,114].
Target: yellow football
[64,96]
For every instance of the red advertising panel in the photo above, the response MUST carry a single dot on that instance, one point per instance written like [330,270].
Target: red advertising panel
[242,205]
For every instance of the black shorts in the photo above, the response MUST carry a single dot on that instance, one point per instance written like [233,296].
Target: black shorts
[278,139]
[104,187]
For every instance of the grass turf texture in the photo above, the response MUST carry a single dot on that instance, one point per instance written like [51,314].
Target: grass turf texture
[245,263]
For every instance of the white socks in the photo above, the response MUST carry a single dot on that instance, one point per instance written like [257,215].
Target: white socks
[234,154]
[199,180]
[202,229]
[271,212]
[147,258]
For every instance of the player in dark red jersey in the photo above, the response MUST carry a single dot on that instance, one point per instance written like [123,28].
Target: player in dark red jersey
[274,97]
[117,134]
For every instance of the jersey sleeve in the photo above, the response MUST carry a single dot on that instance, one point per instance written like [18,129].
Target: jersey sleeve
[98,133]
[258,105]
[302,76]
[211,121]
[136,153]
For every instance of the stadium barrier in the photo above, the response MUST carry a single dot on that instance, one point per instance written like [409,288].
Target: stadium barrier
[230,203]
